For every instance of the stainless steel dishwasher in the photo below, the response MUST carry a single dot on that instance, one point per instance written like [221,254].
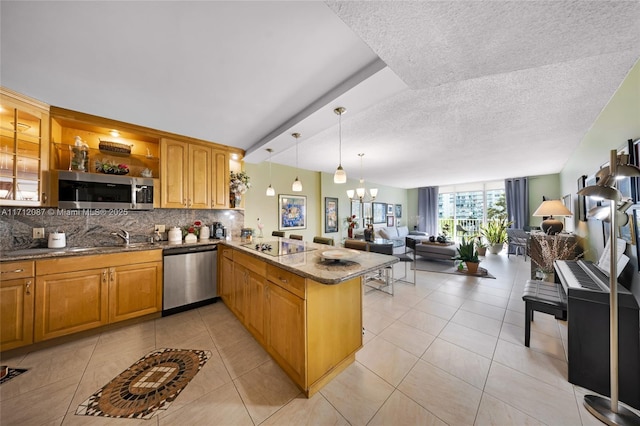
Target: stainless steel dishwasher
[190,277]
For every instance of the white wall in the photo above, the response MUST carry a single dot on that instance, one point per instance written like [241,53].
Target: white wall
[618,122]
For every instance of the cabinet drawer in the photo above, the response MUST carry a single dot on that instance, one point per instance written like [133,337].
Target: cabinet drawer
[225,251]
[251,263]
[287,280]
[12,270]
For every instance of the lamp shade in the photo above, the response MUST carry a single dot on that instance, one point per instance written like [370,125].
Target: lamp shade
[603,192]
[552,208]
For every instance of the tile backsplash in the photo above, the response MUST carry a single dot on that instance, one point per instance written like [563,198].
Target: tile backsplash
[88,227]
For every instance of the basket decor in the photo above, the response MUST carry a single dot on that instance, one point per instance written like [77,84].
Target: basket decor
[115,147]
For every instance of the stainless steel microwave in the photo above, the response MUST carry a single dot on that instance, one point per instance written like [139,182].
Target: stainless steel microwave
[80,190]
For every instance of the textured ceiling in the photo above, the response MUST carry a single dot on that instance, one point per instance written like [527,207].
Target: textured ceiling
[471,91]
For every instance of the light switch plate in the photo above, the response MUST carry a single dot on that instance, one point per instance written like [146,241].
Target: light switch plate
[38,232]
[159,228]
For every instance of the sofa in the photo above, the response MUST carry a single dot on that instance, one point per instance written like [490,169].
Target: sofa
[400,233]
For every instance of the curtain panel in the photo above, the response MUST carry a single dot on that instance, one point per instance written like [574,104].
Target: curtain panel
[428,210]
[517,200]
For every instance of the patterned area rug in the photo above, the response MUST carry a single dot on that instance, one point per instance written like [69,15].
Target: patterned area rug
[11,373]
[447,267]
[149,385]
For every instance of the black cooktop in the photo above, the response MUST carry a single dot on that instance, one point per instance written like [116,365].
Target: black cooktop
[279,248]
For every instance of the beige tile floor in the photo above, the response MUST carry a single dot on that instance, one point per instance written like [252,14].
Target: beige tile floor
[449,350]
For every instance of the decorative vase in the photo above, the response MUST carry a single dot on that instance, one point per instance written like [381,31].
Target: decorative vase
[350,232]
[482,251]
[236,199]
[190,238]
[472,267]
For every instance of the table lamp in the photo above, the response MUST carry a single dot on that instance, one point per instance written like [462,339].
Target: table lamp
[552,208]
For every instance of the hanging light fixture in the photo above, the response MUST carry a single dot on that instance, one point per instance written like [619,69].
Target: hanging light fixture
[340,176]
[361,191]
[297,185]
[270,191]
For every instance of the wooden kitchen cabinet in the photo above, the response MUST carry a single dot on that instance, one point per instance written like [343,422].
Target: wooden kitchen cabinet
[24,150]
[80,293]
[193,175]
[286,325]
[311,330]
[225,275]
[134,290]
[17,290]
[70,302]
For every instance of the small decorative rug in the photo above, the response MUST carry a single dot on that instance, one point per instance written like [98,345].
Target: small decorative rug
[447,267]
[152,383]
[11,373]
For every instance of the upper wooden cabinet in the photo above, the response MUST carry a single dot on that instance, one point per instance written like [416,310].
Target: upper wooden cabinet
[193,175]
[109,141]
[24,135]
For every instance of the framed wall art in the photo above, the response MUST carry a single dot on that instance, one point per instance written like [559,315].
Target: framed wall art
[379,212]
[582,206]
[368,214]
[398,211]
[330,215]
[390,210]
[293,212]
[390,220]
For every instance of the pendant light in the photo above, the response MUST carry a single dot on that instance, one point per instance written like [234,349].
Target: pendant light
[361,191]
[270,191]
[340,176]
[297,185]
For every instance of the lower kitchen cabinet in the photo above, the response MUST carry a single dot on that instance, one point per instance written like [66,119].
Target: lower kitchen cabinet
[286,325]
[134,290]
[80,293]
[70,302]
[310,329]
[17,295]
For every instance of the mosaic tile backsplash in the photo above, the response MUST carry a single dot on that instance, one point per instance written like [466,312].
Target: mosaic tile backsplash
[85,228]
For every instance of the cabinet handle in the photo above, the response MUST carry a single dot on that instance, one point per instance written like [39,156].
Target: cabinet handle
[15,271]
[28,287]
[284,280]
[104,276]
[44,197]
[111,275]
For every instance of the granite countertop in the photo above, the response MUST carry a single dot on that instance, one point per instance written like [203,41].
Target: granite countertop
[311,263]
[47,253]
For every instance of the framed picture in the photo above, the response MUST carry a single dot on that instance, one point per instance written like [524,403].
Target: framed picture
[355,208]
[330,215]
[390,210]
[398,211]
[390,220]
[568,221]
[582,206]
[379,212]
[293,212]
[590,202]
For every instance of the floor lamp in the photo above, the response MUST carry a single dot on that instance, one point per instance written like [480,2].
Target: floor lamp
[609,410]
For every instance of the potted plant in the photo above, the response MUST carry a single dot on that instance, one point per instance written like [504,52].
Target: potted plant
[481,247]
[495,232]
[467,253]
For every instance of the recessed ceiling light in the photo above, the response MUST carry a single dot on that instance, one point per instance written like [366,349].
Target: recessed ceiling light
[115,133]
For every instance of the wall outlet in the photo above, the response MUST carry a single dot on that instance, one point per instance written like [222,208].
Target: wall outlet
[159,228]
[38,232]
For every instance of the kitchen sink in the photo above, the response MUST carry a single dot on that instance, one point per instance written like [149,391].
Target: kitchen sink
[77,249]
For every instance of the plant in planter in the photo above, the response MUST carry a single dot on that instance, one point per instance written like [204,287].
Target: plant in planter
[467,253]
[481,247]
[495,232]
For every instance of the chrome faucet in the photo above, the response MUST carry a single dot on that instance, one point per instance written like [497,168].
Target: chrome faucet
[122,234]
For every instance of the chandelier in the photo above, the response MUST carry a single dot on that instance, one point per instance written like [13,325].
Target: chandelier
[361,192]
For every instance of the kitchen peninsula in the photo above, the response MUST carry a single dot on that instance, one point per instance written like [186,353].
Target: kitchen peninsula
[304,310]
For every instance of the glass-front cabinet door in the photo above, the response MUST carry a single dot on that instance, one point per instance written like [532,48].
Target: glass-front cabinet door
[23,128]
